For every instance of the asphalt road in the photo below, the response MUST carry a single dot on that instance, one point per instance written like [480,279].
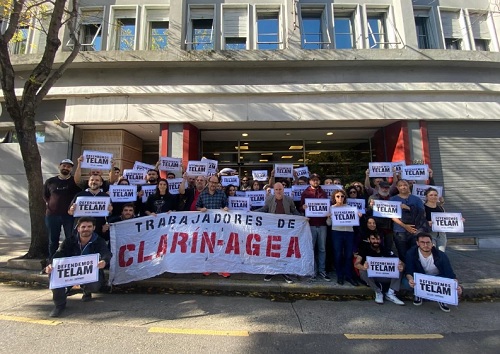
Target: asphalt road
[168,323]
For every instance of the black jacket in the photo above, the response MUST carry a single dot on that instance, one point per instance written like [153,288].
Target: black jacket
[71,247]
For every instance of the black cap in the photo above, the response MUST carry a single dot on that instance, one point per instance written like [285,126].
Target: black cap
[384,184]
[314,175]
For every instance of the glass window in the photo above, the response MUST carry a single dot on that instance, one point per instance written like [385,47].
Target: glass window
[376,31]
[202,34]
[91,37]
[158,35]
[423,35]
[268,31]
[236,43]
[312,36]
[125,34]
[344,33]
[453,43]
[20,40]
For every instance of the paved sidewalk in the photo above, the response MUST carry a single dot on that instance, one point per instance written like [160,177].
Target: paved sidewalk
[477,269]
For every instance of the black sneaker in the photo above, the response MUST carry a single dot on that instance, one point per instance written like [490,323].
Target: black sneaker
[86,297]
[417,301]
[268,277]
[443,307]
[57,311]
[324,276]
[287,279]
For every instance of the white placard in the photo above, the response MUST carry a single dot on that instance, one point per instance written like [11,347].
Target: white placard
[435,288]
[241,193]
[387,209]
[77,270]
[297,191]
[197,168]
[135,176]
[147,190]
[174,184]
[331,188]
[283,170]
[380,169]
[447,222]
[238,203]
[212,165]
[360,204]
[91,206]
[96,160]
[122,193]
[170,164]
[260,175]
[227,180]
[419,190]
[141,166]
[415,172]
[344,216]
[383,267]
[302,171]
[257,198]
[398,165]
[317,207]
[287,191]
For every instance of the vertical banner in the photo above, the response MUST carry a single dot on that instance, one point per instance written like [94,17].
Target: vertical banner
[170,164]
[96,160]
[436,288]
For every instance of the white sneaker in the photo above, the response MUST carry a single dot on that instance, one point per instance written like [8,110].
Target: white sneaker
[394,298]
[379,297]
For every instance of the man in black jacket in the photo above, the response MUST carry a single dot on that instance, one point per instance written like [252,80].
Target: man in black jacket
[85,242]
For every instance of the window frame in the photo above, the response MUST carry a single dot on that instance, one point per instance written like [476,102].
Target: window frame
[189,39]
[462,40]
[224,37]
[322,11]
[266,8]
[146,22]
[113,27]
[353,13]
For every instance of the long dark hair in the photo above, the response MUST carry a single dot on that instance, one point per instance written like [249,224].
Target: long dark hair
[157,190]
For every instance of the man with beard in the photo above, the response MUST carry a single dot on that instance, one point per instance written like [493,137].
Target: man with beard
[152,176]
[113,177]
[58,193]
[376,284]
[94,190]
[191,194]
[384,225]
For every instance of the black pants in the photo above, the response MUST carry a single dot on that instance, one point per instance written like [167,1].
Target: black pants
[59,295]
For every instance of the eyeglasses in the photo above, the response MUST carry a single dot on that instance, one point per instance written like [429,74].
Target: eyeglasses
[353,192]
[340,196]
[425,242]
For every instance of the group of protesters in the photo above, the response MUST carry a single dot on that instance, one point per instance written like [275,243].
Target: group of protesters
[343,249]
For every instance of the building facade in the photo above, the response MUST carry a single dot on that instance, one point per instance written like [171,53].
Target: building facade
[328,84]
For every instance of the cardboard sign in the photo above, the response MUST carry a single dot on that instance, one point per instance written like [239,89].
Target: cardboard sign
[174,184]
[302,171]
[331,188]
[77,270]
[283,170]
[212,166]
[228,180]
[257,198]
[170,164]
[238,203]
[344,216]
[147,190]
[447,222]
[297,191]
[435,288]
[91,206]
[260,175]
[96,160]
[241,193]
[383,267]
[287,191]
[415,172]
[360,204]
[387,209]
[197,168]
[122,193]
[141,166]
[380,169]
[398,166]
[135,176]
[317,207]
[419,190]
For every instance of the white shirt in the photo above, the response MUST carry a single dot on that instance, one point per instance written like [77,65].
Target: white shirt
[428,264]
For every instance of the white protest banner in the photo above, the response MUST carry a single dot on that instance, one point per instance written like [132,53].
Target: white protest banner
[96,160]
[141,166]
[77,270]
[91,206]
[238,203]
[287,191]
[398,165]
[383,267]
[415,172]
[135,176]
[302,171]
[257,198]
[387,209]
[228,180]
[447,222]
[213,241]
[283,170]
[241,193]
[344,216]
[122,193]
[197,168]
[173,185]
[331,188]
[297,191]
[212,165]
[260,175]
[419,190]
[435,288]
[147,190]
[317,207]
[170,164]
[360,204]
[380,169]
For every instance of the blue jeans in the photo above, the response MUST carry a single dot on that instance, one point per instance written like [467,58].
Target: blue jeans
[342,247]
[318,234]
[53,224]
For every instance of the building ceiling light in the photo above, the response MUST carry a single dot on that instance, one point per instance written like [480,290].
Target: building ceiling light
[267,154]
[263,160]
[314,152]
[241,147]
[295,147]
[329,133]
[318,142]
[245,143]
[287,157]
[288,134]
[216,153]
[244,134]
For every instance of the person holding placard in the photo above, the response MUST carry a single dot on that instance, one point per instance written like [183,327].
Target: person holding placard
[113,177]
[432,206]
[86,241]
[343,243]
[161,201]
[384,224]
[191,194]
[424,258]
[375,249]
[230,191]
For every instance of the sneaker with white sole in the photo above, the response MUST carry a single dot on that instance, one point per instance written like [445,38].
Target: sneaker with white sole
[324,276]
[417,301]
[287,279]
[393,298]
[379,297]
[268,277]
[444,307]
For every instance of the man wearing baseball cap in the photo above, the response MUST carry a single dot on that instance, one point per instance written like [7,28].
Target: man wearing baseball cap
[58,193]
